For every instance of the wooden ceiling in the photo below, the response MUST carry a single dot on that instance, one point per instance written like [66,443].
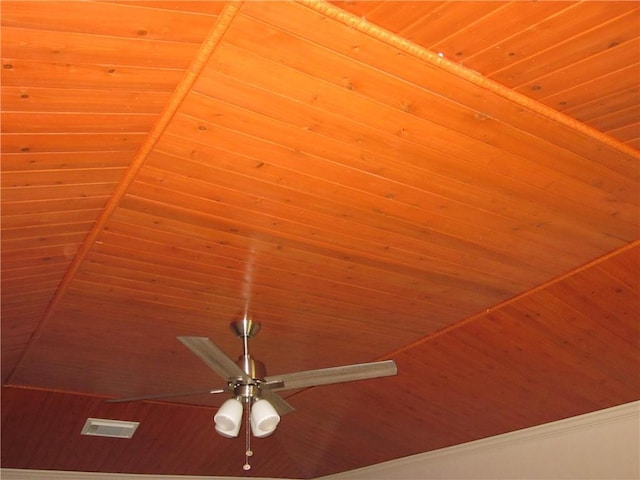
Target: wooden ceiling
[452,185]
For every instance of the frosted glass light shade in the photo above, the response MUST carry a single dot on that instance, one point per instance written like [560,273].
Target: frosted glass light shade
[264,418]
[228,418]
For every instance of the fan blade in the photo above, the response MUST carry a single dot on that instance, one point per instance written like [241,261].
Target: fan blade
[325,376]
[166,395]
[215,358]
[279,403]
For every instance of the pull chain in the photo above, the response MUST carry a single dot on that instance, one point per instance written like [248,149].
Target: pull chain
[248,452]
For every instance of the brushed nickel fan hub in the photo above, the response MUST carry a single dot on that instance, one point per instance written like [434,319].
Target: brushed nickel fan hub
[245,328]
[246,392]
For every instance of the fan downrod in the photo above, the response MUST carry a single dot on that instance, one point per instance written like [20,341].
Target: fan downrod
[246,329]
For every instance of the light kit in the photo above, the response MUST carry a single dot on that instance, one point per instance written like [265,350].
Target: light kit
[229,418]
[264,419]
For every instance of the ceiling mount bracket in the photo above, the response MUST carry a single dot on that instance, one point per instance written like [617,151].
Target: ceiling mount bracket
[245,328]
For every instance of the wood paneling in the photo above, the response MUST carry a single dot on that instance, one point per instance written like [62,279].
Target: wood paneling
[538,358]
[557,52]
[368,179]
[78,99]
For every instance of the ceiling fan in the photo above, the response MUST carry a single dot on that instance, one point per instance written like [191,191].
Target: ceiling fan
[251,388]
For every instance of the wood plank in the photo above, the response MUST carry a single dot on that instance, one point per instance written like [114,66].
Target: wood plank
[267,225]
[481,35]
[34,273]
[230,252]
[45,122]
[24,194]
[617,120]
[594,108]
[21,324]
[597,297]
[195,6]
[316,166]
[566,352]
[42,99]
[389,59]
[35,178]
[22,290]
[71,142]
[11,244]
[116,20]
[628,133]
[459,221]
[26,233]
[41,252]
[397,18]
[129,291]
[17,336]
[214,268]
[62,160]
[583,341]
[366,8]
[303,144]
[55,255]
[572,21]
[43,219]
[23,73]
[437,227]
[503,137]
[527,354]
[587,46]
[28,308]
[142,313]
[585,70]
[324,203]
[405,233]
[448,17]
[341,303]
[622,267]
[305,252]
[53,205]
[605,84]
[51,46]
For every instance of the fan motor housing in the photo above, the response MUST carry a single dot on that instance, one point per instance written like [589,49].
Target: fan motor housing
[252,367]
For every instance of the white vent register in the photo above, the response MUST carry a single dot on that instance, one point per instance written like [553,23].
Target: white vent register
[100,427]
